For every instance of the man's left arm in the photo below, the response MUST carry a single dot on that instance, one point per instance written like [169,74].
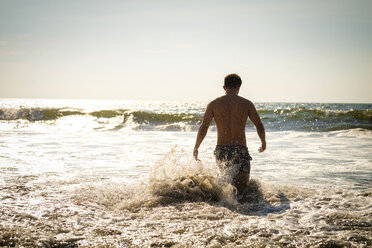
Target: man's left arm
[203,129]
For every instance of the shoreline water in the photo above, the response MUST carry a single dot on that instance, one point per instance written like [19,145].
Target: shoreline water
[81,181]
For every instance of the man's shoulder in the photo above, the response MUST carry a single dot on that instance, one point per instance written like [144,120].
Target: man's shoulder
[244,101]
[215,101]
[221,99]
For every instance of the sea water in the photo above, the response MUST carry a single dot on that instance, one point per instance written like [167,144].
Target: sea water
[121,174]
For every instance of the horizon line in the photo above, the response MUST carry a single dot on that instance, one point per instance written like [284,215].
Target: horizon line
[201,101]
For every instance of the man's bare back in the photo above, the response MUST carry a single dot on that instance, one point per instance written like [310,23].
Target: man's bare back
[230,113]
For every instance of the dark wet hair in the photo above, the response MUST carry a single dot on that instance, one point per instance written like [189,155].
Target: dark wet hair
[232,81]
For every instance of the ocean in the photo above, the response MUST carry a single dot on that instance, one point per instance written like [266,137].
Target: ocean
[95,173]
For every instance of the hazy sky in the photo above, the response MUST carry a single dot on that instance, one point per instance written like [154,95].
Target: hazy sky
[308,51]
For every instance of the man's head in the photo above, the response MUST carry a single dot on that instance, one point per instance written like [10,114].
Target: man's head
[232,81]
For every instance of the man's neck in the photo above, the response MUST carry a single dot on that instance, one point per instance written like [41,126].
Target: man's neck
[231,92]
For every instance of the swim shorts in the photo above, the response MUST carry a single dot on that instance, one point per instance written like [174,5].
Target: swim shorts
[234,155]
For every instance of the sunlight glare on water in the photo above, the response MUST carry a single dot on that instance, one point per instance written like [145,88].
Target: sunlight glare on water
[101,176]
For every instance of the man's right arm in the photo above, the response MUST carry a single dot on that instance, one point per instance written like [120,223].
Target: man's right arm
[255,118]
[203,129]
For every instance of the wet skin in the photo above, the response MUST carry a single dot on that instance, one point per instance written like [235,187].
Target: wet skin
[230,113]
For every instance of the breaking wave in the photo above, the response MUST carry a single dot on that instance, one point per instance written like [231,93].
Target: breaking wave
[298,118]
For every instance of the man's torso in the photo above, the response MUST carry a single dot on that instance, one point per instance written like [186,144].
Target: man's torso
[230,113]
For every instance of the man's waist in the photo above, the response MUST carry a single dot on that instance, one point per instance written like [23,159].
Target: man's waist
[234,145]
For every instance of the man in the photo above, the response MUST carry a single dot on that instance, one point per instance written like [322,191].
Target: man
[230,113]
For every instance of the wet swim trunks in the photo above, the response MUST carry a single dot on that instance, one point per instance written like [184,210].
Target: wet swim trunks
[234,155]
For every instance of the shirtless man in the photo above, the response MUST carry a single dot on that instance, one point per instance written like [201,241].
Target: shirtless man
[230,113]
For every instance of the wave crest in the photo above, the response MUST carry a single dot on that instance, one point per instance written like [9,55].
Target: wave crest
[299,118]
